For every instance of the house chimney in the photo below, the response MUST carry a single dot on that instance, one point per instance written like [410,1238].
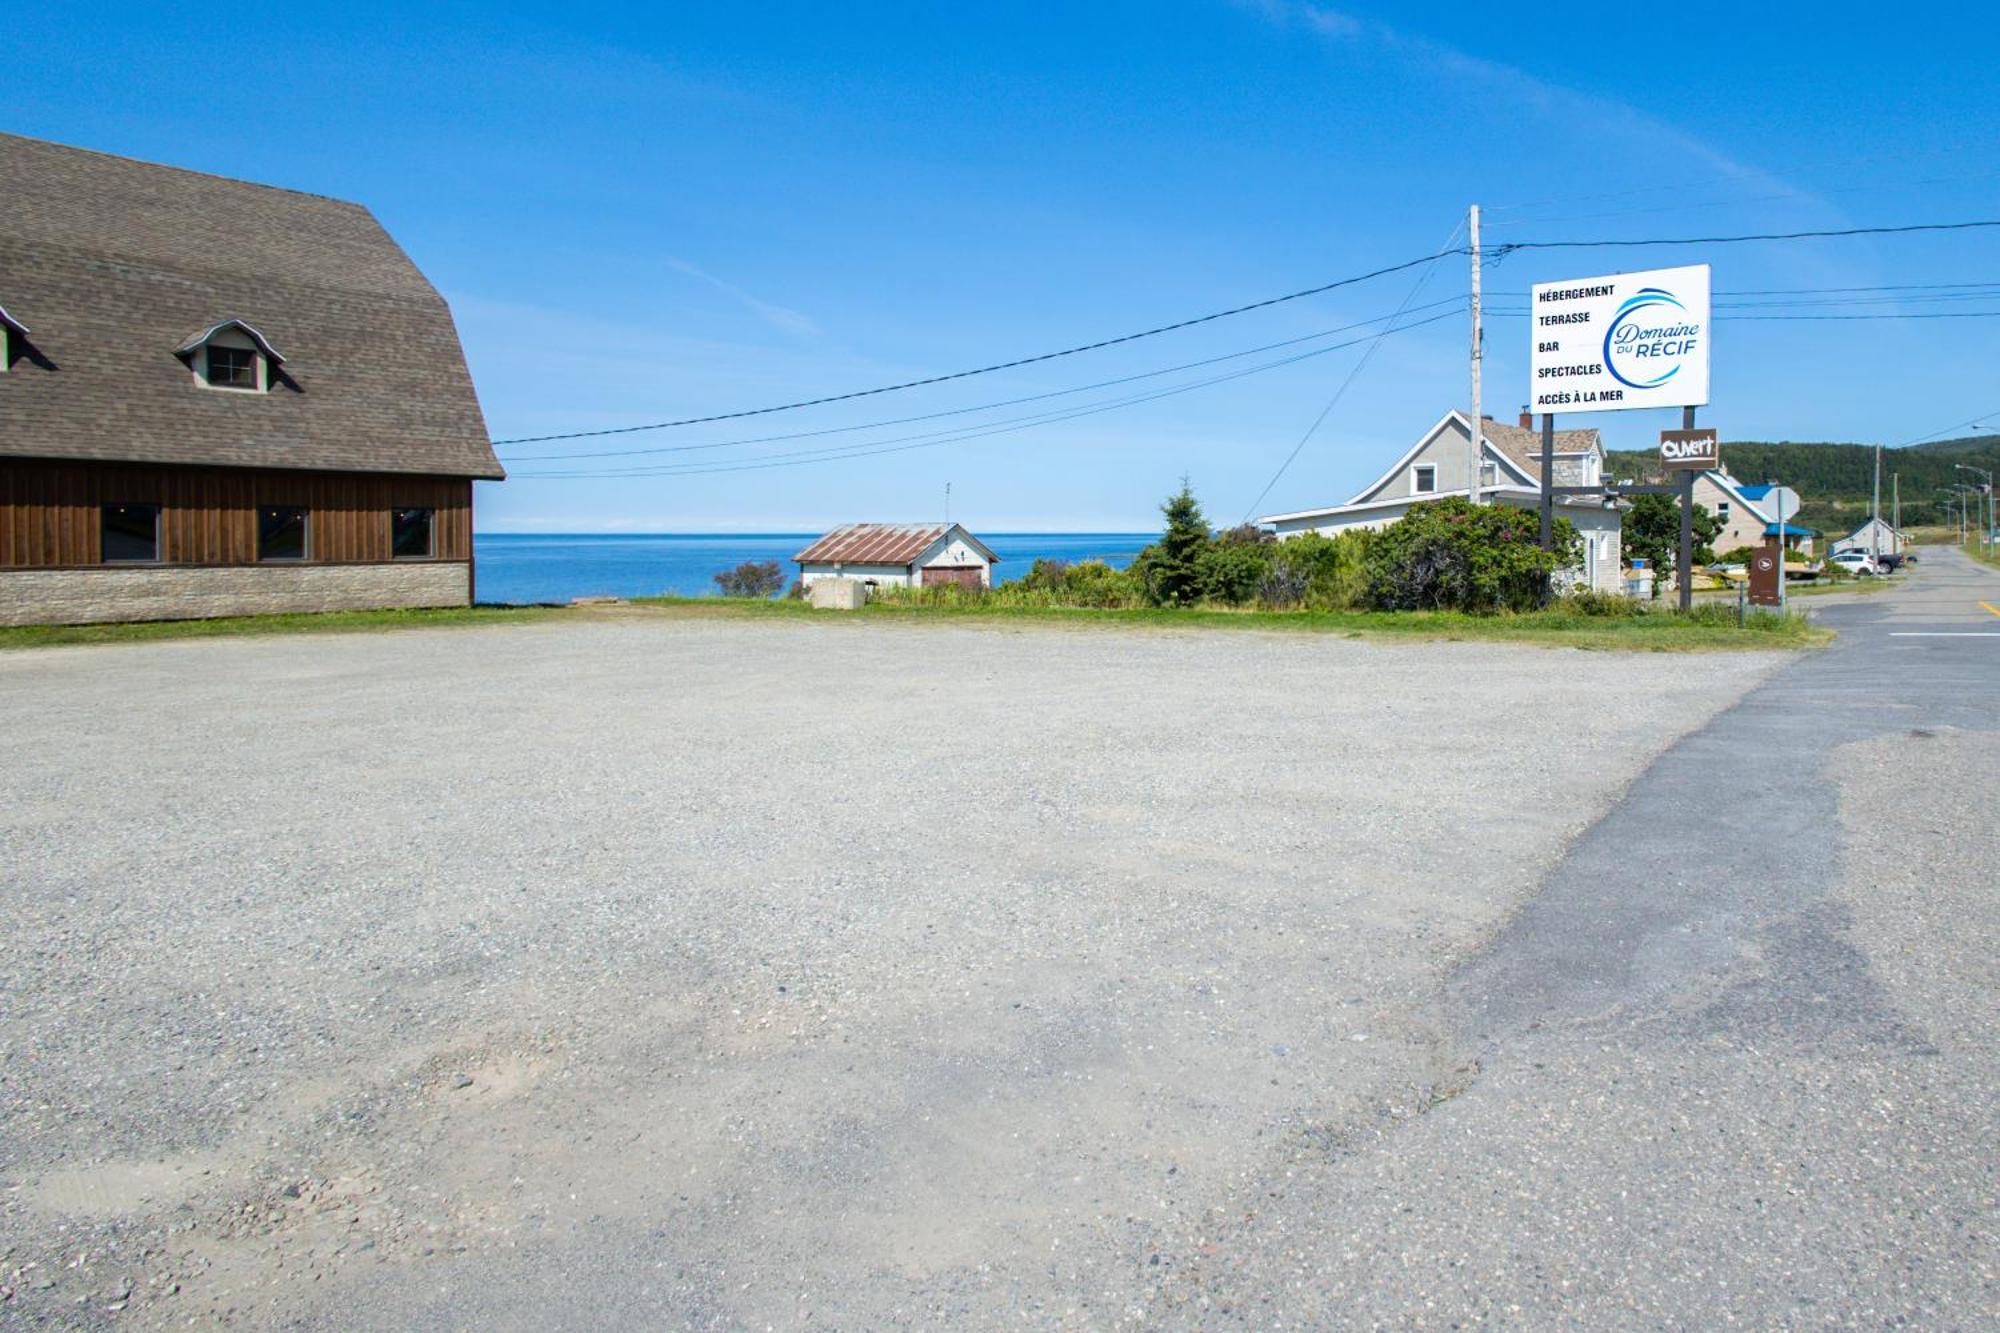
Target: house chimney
[1527,418]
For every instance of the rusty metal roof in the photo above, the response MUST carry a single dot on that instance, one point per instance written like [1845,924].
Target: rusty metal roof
[872,544]
[884,544]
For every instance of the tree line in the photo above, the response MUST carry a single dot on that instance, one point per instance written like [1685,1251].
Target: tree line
[1835,481]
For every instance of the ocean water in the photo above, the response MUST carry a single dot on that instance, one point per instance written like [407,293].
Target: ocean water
[555,567]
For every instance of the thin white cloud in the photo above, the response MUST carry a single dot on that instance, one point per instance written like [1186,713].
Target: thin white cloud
[777,316]
[1541,95]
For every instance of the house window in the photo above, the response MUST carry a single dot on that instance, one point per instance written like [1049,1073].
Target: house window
[281,532]
[410,533]
[1489,474]
[232,367]
[131,534]
[1423,478]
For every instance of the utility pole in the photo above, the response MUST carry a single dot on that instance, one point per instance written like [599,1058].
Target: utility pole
[1896,503]
[1778,497]
[1478,351]
[1875,514]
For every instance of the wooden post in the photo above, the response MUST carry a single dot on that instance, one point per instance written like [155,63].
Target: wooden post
[1684,565]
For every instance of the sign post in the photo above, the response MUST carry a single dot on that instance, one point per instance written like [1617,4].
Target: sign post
[1764,572]
[1689,452]
[1618,342]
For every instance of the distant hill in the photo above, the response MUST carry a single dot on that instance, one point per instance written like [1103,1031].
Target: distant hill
[1965,444]
[1834,480]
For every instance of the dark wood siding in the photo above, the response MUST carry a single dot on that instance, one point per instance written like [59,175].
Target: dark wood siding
[49,512]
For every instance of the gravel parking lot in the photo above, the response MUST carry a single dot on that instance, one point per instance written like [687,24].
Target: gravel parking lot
[725,973]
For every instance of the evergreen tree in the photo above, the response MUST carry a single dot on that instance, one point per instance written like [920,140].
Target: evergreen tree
[1171,565]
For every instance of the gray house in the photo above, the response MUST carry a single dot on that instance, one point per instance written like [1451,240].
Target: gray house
[220,398]
[1510,460]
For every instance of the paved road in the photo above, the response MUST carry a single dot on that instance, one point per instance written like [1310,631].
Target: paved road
[1737,1061]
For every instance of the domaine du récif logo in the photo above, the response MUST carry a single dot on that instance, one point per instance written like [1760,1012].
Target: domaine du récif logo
[1650,338]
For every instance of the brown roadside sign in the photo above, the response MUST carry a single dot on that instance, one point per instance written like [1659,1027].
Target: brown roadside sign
[1764,575]
[1689,450]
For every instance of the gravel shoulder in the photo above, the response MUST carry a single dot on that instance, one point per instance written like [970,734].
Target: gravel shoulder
[730,972]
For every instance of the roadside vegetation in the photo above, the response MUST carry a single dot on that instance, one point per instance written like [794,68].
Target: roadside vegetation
[1449,570]
[324,622]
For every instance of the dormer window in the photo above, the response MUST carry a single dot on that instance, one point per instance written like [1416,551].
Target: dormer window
[232,356]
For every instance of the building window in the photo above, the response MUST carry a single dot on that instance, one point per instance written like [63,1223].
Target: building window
[281,532]
[1489,474]
[131,534]
[411,533]
[1423,478]
[232,367]
[1722,512]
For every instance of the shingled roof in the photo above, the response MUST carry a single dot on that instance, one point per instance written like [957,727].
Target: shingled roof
[1524,447]
[114,264]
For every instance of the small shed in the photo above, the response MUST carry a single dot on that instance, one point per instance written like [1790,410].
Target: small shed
[899,555]
[1872,536]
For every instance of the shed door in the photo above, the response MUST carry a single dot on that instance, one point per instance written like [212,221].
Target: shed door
[965,576]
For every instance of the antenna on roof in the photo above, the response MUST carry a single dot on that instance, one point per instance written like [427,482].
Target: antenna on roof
[947,504]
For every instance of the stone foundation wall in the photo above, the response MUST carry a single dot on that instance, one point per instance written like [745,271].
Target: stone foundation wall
[196,592]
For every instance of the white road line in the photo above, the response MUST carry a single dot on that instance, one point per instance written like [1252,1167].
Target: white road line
[1943,634]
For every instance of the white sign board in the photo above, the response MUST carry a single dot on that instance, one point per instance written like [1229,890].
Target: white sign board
[1626,340]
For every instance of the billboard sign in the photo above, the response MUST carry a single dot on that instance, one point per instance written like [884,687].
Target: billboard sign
[1689,450]
[1621,341]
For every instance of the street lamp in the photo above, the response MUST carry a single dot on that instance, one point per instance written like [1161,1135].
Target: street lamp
[1986,519]
[1958,494]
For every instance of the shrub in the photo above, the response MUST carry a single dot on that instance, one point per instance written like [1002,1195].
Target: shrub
[1452,555]
[752,578]
[1334,569]
[1085,583]
[1246,534]
[1737,555]
[1231,572]
[1284,586]
[1591,602]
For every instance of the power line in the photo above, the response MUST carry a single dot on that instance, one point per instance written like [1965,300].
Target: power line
[979,407]
[1942,288]
[1341,392]
[982,370]
[1731,319]
[929,440]
[1506,248]
[1957,425]
[1497,253]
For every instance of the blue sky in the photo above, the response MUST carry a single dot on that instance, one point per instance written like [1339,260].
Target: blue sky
[651,212]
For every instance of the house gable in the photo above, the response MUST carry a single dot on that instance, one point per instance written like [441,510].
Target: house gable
[1441,447]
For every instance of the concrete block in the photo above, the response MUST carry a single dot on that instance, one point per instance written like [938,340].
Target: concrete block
[838,594]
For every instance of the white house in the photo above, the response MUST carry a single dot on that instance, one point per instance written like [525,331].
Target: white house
[1510,473]
[1872,536]
[1749,513]
[899,555]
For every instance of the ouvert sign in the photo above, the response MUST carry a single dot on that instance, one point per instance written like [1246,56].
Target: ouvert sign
[1621,341]
[1682,449]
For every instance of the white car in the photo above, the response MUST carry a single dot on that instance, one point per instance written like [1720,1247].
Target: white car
[1857,563]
